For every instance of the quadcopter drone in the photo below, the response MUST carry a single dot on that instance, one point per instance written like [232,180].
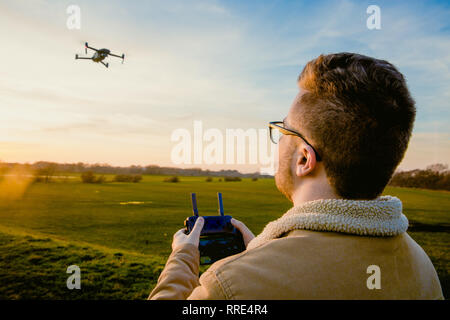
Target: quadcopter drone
[99,55]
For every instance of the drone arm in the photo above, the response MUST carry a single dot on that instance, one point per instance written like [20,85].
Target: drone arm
[87,47]
[115,55]
[83,58]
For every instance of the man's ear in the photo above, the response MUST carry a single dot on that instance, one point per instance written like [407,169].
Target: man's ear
[306,161]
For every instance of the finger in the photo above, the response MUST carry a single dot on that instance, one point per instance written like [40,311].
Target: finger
[247,235]
[198,227]
[241,227]
[179,232]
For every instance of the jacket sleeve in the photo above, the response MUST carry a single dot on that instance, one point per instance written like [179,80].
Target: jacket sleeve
[179,280]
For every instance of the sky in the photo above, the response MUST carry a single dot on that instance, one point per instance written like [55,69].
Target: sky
[229,64]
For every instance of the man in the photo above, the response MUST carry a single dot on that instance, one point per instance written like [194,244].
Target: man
[346,132]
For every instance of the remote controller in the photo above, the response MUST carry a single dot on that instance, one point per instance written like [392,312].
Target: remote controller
[218,238]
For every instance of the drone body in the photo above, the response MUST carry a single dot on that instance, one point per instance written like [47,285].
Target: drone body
[99,55]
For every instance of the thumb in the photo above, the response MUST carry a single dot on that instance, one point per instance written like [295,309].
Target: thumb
[247,235]
[198,227]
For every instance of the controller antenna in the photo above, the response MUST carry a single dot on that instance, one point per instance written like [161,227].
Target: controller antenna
[194,204]
[219,198]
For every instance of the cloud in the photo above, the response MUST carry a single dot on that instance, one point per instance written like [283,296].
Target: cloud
[111,124]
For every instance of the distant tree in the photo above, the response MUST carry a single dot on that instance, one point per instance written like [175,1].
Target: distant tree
[45,173]
[209,179]
[89,177]
[171,179]
[232,179]
[434,177]
[100,179]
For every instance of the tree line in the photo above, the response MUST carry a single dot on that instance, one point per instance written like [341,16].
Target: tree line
[435,177]
[50,168]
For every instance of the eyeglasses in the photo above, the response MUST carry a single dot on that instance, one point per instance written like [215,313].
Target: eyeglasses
[275,135]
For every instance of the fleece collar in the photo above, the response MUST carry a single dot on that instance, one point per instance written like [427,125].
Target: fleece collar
[379,217]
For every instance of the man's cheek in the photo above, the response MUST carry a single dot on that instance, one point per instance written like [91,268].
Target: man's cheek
[284,150]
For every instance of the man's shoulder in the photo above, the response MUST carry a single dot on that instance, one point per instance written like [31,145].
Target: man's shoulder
[276,269]
[313,264]
[300,244]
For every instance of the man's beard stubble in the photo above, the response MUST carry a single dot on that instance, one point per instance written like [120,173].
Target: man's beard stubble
[283,177]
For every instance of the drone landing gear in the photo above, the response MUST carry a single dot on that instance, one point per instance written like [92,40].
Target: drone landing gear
[105,64]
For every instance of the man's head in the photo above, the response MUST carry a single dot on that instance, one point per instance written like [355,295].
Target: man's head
[357,113]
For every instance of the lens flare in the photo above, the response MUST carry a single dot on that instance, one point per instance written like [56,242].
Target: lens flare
[15,182]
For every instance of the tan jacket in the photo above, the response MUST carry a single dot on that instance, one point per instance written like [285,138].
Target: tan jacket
[306,264]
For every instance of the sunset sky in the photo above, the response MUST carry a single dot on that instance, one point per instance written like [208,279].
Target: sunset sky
[230,64]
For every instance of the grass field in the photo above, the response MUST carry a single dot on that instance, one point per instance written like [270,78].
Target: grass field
[119,234]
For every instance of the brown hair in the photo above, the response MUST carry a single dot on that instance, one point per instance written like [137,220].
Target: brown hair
[360,115]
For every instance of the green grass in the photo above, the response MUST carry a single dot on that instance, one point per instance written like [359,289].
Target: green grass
[121,247]
[35,268]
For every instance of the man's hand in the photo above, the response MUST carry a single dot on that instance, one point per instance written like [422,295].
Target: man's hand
[246,233]
[180,238]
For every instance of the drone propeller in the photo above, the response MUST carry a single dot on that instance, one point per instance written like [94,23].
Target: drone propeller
[85,47]
[123,57]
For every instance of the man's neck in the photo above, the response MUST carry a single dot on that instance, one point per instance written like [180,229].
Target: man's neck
[312,192]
